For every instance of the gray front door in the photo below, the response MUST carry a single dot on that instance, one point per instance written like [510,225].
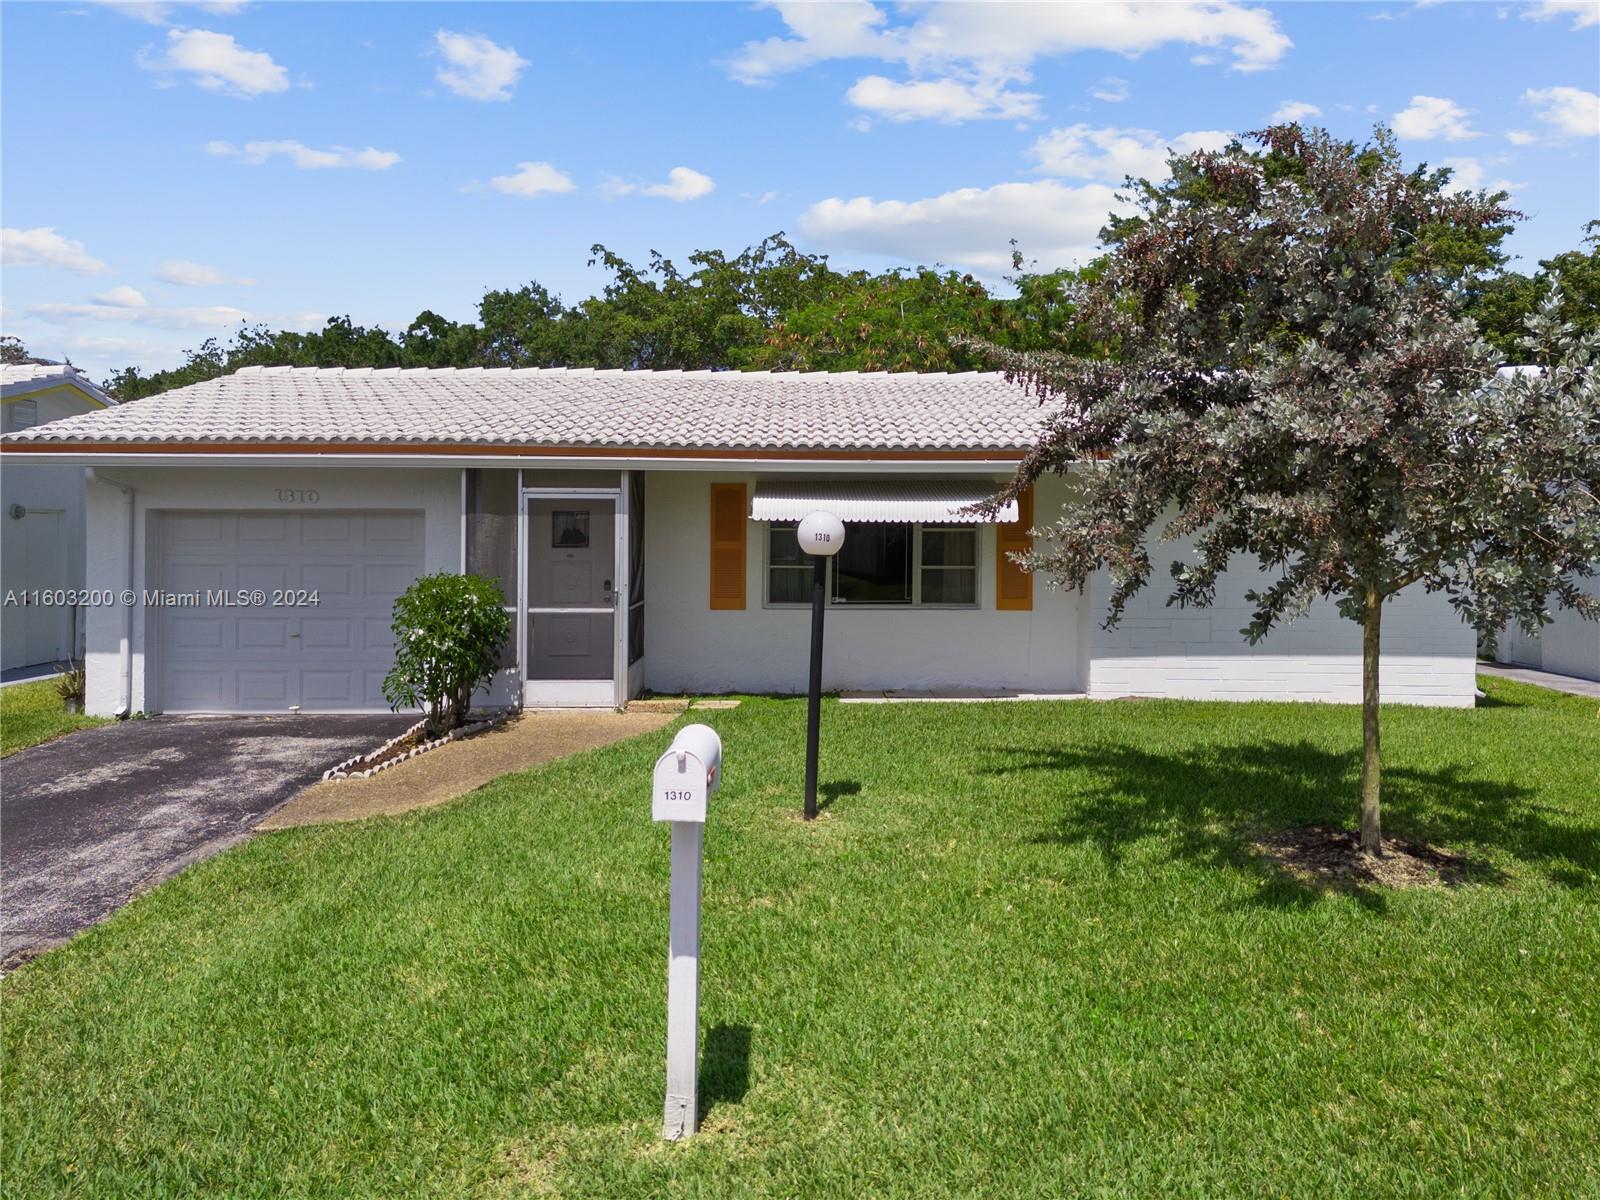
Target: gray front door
[571,597]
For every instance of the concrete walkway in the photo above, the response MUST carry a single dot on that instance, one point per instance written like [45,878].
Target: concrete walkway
[454,770]
[1570,684]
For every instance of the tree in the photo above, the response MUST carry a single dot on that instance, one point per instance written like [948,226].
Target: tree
[1503,302]
[1294,380]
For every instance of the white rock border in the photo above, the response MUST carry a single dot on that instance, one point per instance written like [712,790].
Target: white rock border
[351,768]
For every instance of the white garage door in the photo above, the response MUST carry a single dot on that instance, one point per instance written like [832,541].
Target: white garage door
[327,656]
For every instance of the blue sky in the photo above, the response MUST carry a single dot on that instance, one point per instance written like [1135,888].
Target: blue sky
[171,169]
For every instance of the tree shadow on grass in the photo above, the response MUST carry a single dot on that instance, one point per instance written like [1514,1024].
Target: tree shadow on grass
[1215,800]
[724,1067]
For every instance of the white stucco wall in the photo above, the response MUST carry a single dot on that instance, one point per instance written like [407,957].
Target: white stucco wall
[53,494]
[1428,653]
[437,492]
[1569,645]
[691,648]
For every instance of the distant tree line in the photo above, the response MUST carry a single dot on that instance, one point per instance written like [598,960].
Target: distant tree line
[775,307]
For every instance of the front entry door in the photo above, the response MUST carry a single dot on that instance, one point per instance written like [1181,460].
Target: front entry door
[571,614]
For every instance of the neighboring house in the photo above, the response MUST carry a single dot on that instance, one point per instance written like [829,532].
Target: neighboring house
[41,515]
[1569,645]
[641,526]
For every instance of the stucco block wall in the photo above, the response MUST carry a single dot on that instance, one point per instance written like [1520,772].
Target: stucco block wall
[690,648]
[48,493]
[437,492]
[1569,645]
[1199,654]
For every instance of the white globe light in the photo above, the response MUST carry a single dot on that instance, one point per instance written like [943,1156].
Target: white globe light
[822,534]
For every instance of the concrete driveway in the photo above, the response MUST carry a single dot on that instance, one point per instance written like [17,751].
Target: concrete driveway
[89,818]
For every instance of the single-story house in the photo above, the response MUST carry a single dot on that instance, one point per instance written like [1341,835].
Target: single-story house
[41,515]
[641,526]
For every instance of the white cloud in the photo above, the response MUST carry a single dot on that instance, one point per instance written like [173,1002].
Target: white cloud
[122,297]
[214,317]
[1080,152]
[1294,110]
[478,68]
[1521,137]
[305,157]
[1434,117]
[969,227]
[157,12]
[189,274]
[963,57]
[1111,89]
[682,183]
[947,100]
[1001,41]
[44,247]
[1583,12]
[1470,175]
[533,179]
[1573,111]
[219,64]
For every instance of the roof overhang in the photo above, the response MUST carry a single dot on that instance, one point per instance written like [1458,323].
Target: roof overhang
[47,383]
[300,454]
[925,501]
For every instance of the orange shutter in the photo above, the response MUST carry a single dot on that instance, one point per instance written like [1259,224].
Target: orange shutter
[1013,587]
[728,518]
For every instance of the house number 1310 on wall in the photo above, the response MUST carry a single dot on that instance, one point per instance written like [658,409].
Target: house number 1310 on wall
[297,495]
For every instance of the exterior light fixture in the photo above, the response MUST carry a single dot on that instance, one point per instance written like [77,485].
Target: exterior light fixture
[821,535]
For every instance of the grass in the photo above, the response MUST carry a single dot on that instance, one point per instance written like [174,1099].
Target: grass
[1025,952]
[31,713]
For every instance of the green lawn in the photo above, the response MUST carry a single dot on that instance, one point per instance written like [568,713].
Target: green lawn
[1026,952]
[31,713]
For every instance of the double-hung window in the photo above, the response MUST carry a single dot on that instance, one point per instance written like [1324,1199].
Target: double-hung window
[882,564]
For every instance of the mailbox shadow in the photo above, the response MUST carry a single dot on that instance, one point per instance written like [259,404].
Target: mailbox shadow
[724,1067]
[829,792]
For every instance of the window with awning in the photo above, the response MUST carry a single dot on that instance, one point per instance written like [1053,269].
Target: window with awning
[914,542]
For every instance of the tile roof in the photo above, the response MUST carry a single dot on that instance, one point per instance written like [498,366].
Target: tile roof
[689,410]
[19,379]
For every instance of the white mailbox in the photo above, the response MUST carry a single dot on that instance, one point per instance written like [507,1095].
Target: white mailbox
[686,775]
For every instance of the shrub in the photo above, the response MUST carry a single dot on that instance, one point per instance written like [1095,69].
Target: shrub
[71,684]
[449,630]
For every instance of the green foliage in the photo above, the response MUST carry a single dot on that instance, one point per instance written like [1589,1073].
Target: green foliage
[1029,950]
[769,307]
[1296,380]
[449,631]
[1503,303]
[31,713]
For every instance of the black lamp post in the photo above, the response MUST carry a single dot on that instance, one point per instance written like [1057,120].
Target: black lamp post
[821,535]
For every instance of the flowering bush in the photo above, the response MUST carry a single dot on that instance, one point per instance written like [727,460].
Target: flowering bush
[449,630]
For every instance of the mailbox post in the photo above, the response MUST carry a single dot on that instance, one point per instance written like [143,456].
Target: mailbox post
[685,778]
[821,535]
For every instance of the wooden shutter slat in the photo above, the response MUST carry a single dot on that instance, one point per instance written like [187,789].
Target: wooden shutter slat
[1013,587]
[728,524]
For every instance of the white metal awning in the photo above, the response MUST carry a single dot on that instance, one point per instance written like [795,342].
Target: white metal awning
[930,501]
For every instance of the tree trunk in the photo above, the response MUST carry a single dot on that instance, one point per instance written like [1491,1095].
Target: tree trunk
[1371,763]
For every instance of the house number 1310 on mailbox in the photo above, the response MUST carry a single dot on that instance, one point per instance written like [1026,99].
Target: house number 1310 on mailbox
[685,778]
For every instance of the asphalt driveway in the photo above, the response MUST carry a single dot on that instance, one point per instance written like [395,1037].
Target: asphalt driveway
[88,819]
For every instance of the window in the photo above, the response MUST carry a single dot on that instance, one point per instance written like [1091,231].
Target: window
[881,564]
[788,569]
[24,415]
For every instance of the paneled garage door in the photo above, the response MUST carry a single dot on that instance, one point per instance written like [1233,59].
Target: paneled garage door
[327,657]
